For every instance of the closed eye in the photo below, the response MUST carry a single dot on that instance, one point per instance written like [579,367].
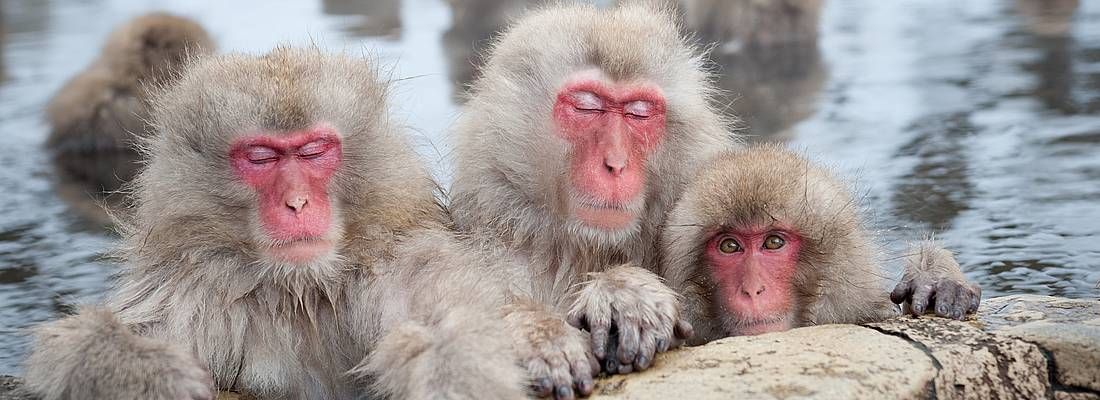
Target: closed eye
[587,102]
[313,150]
[261,155]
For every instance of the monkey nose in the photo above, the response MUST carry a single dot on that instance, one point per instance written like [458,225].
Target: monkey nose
[297,202]
[750,292]
[615,164]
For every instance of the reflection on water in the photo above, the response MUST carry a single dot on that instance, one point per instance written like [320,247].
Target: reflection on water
[381,18]
[473,24]
[767,58]
[981,127]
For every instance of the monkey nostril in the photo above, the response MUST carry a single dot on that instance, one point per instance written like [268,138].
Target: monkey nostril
[760,290]
[297,203]
[614,168]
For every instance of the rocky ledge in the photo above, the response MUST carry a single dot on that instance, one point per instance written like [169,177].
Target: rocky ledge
[1017,347]
[1023,346]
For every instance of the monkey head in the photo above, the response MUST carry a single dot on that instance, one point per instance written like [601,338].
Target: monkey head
[756,237]
[589,132]
[280,171]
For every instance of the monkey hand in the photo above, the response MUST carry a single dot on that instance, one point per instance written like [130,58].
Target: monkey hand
[93,355]
[933,281]
[632,315]
[461,353]
[558,359]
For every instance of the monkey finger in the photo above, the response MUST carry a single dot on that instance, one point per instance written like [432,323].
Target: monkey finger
[629,337]
[683,331]
[599,335]
[921,296]
[561,374]
[582,376]
[901,292]
[611,362]
[662,345]
[647,350]
[975,299]
[541,384]
[946,293]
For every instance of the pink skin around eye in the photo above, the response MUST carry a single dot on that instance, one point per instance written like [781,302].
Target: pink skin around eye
[755,283]
[290,173]
[612,129]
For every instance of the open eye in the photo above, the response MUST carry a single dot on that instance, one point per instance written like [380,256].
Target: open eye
[587,101]
[774,242]
[729,246]
[261,155]
[638,109]
[312,150]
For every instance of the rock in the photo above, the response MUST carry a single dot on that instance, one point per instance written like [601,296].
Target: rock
[1068,329]
[826,362]
[973,364]
[1008,351]
[1021,346]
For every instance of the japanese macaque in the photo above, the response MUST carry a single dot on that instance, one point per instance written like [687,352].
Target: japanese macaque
[285,242]
[577,138]
[765,241]
[96,116]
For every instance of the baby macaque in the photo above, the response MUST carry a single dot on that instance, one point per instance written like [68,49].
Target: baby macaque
[97,115]
[763,241]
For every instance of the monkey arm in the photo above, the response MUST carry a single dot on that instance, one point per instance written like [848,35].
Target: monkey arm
[933,281]
[631,314]
[437,336]
[93,355]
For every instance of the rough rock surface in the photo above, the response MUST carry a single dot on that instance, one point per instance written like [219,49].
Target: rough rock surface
[1068,329]
[1017,347]
[857,362]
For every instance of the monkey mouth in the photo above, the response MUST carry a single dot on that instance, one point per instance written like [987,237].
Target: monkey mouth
[300,251]
[762,326]
[608,217]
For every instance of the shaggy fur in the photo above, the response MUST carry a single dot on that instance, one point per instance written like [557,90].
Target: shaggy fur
[194,280]
[838,278]
[99,113]
[511,184]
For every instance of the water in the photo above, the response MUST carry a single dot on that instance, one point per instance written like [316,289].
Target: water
[975,120]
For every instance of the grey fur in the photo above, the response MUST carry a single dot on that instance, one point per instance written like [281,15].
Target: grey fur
[511,176]
[838,279]
[194,281]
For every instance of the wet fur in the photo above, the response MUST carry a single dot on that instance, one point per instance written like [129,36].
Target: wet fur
[192,281]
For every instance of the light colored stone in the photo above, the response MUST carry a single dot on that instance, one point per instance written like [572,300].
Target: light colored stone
[974,364]
[1076,396]
[1069,329]
[823,362]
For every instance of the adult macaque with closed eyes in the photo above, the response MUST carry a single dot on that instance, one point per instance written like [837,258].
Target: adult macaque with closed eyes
[285,242]
[576,140]
[763,241]
[96,117]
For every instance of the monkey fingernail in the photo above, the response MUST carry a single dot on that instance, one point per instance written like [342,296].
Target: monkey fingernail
[543,387]
[643,363]
[564,393]
[626,368]
[585,386]
[662,345]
